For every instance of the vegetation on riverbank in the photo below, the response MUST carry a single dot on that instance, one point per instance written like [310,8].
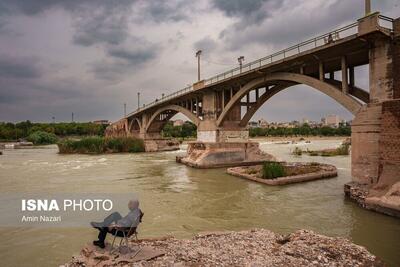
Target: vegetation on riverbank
[304,130]
[272,170]
[342,150]
[186,130]
[21,130]
[99,145]
[42,138]
[282,173]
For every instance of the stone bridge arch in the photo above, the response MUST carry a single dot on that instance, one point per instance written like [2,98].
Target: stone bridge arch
[133,126]
[284,80]
[174,110]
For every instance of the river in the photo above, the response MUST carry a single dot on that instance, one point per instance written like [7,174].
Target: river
[181,201]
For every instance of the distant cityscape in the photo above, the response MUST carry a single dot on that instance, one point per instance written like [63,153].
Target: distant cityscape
[333,121]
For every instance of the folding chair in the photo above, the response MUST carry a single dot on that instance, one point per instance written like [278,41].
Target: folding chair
[125,233]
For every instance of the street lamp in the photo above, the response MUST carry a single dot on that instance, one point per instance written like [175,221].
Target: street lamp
[367,7]
[198,53]
[138,100]
[240,60]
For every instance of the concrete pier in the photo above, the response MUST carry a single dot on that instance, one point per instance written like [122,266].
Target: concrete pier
[214,155]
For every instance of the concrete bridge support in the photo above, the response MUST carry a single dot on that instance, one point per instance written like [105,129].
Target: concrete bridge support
[225,145]
[376,131]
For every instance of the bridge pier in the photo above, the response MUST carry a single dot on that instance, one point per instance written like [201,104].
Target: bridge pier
[376,129]
[227,145]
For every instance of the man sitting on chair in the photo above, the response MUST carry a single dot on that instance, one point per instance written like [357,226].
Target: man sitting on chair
[115,220]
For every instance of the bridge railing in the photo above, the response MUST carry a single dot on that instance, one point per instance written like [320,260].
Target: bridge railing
[321,40]
[318,41]
[163,99]
[386,22]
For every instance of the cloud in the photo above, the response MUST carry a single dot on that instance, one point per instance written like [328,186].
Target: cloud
[162,11]
[124,59]
[34,7]
[18,68]
[289,23]
[249,12]
[95,21]
[134,56]
[101,25]
[206,44]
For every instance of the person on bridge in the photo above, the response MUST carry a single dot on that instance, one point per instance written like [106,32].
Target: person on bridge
[114,221]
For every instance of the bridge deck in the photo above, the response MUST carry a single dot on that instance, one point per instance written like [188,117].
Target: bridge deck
[345,40]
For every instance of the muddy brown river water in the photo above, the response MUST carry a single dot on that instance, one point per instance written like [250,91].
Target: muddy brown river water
[181,201]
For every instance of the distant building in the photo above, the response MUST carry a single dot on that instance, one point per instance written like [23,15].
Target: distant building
[253,124]
[178,123]
[306,121]
[332,121]
[262,123]
[101,122]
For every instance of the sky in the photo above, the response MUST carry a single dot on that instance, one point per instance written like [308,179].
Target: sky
[90,57]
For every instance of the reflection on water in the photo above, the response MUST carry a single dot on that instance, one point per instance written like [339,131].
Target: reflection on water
[181,201]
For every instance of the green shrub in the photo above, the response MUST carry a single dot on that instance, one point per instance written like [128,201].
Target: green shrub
[42,138]
[90,145]
[98,145]
[272,170]
[124,144]
[343,149]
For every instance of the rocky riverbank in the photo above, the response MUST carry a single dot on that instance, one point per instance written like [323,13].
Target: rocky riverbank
[382,199]
[258,247]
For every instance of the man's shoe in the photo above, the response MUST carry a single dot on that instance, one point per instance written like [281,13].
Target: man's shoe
[99,244]
[96,225]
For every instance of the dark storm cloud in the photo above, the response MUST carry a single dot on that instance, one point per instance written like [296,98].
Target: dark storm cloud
[206,44]
[294,27]
[288,24]
[250,11]
[162,11]
[124,59]
[33,7]
[95,21]
[102,26]
[14,67]
[238,7]
[133,57]
[22,91]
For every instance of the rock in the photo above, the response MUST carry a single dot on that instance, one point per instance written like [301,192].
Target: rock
[257,247]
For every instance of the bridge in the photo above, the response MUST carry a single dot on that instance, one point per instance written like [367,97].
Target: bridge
[325,63]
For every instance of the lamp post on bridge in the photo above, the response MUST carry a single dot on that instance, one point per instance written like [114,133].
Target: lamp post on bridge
[367,7]
[124,109]
[198,53]
[240,60]
[138,100]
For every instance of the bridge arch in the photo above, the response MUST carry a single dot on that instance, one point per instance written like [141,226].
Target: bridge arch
[177,109]
[133,125]
[284,80]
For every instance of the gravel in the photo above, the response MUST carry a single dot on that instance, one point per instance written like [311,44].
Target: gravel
[257,247]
